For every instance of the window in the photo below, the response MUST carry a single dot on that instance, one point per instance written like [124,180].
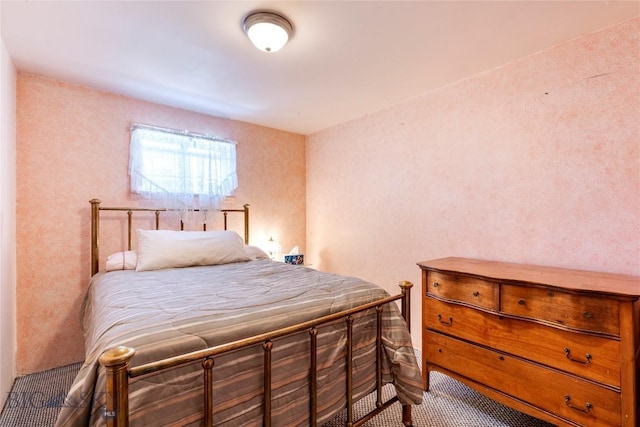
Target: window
[181,168]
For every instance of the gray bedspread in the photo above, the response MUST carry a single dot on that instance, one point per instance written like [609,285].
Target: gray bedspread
[174,311]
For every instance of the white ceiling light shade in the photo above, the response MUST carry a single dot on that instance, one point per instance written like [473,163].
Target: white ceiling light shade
[268,31]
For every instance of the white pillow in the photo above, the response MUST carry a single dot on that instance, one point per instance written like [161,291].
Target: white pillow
[167,249]
[255,252]
[126,260]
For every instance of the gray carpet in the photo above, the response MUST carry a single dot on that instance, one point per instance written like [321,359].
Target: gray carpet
[35,399]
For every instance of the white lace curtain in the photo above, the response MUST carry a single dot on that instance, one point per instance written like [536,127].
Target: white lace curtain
[179,170]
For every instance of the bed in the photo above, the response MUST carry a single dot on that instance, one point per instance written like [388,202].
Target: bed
[248,341]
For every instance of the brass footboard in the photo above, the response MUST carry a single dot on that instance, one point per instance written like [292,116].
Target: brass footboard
[118,370]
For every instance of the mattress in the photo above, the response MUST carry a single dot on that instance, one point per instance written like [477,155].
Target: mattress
[168,312]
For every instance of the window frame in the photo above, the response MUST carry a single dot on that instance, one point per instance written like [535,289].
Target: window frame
[172,164]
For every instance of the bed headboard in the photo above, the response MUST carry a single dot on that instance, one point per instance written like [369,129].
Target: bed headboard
[95,225]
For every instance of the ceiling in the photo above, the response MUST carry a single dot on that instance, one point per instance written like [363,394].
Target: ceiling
[346,58]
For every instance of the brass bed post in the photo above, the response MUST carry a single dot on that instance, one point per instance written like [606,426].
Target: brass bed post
[379,356]
[207,366]
[245,210]
[246,223]
[129,226]
[313,376]
[116,363]
[349,320]
[406,286]
[267,346]
[95,222]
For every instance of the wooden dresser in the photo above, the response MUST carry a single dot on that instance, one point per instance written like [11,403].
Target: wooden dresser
[561,345]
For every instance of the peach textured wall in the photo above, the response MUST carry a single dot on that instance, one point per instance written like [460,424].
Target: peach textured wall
[537,161]
[72,146]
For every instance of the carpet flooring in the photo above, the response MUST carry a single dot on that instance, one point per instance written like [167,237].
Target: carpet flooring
[35,399]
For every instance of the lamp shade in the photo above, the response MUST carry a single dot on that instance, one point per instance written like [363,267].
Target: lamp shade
[272,248]
[268,31]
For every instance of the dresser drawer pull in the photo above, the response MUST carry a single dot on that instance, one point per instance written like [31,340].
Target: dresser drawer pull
[587,315]
[444,322]
[587,356]
[476,293]
[522,302]
[587,406]
[436,284]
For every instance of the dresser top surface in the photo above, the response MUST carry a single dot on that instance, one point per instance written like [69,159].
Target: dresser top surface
[578,280]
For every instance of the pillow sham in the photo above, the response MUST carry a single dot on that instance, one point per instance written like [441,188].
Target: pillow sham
[126,260]
[158,249]
[255,252]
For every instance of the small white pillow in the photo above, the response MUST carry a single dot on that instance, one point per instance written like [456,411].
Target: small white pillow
[255,252]
[126,260]
[159,249]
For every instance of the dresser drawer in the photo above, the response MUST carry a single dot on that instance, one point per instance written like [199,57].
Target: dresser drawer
[584,312]
[588,356]
[569,397]
[466,289]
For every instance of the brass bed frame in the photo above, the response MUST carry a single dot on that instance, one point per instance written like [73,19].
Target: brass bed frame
[95,225]
[116,361]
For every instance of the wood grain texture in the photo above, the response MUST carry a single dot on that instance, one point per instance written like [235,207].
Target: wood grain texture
[560,344]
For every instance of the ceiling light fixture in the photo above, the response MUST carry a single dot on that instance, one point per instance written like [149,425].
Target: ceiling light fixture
[268,31]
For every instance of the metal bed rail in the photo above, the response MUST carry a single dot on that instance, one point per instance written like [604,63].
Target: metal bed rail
[118,370]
